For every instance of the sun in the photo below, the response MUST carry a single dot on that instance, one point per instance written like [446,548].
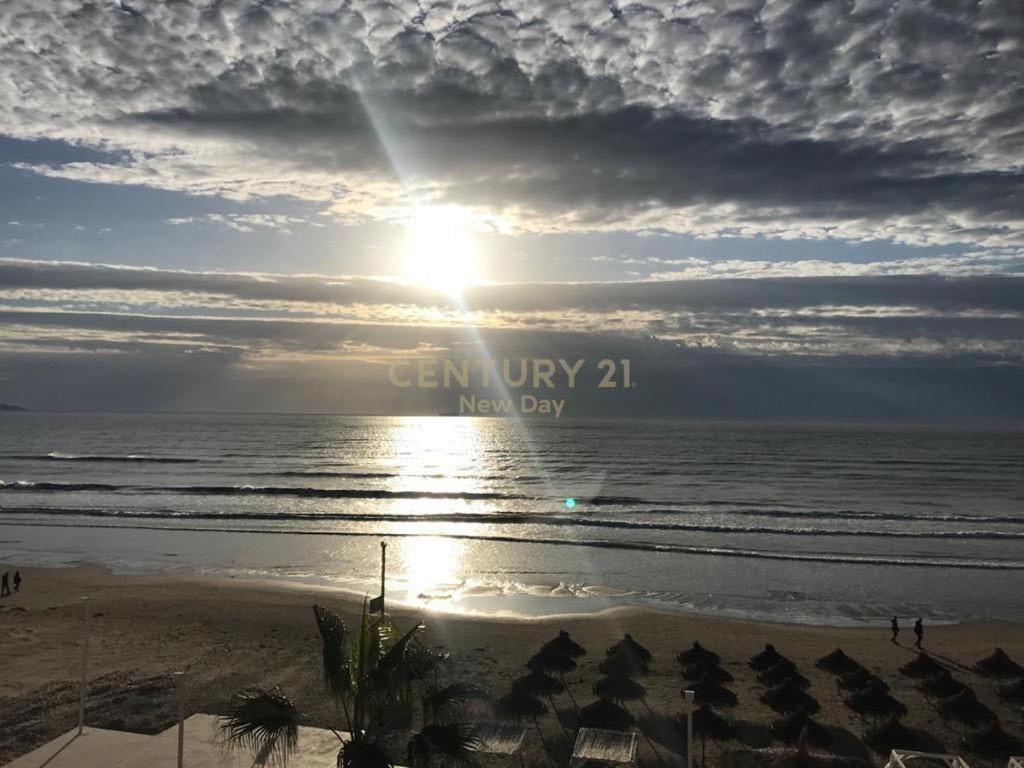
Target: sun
[440,251]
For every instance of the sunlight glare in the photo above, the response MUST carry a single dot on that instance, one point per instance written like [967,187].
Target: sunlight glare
[439,248]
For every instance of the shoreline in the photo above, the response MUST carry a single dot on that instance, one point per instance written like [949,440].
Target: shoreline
[491,605]
[228,634]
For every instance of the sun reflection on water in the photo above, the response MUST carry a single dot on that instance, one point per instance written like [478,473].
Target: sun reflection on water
[431,568]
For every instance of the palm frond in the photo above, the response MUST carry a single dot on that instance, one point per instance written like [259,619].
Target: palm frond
[393,658]
[335,656]
[443,746]
[442,704]
[263,722]
[422,662]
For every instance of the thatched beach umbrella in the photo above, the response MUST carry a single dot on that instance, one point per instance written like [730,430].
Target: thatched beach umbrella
[563,645]
[859,680]
[789,697]
[942,686]
[998,664]
[780,673]
[922,666]
[873,701]
[549,661]
[619,688]
[556,656]
[622,664]
[782,664]
[837,662]
[1012,692]
[965,708]
[891,734]
[706,668]
[631,647]
[991,741]
[539,683]
[521,704]
[769,657]
[788,729]
[696,652]
[605,713]
[707,722]
[707,691]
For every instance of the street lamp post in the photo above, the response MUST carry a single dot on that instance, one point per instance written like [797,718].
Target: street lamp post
[690,698]
[85,666]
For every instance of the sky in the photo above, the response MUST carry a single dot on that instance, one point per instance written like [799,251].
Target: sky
[776,210]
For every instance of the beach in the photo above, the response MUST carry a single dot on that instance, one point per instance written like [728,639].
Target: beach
[227,634]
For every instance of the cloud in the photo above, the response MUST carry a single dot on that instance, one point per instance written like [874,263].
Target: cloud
[895,120]
[834,316]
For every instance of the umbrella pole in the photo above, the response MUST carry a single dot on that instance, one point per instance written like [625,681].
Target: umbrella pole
[569,691]
[543,743]
[558,716]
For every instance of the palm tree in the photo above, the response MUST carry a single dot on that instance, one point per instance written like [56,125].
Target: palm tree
[375,680]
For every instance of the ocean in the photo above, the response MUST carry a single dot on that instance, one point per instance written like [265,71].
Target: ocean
[829,525]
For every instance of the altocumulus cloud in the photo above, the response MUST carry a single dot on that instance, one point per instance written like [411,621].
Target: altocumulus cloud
[849,120]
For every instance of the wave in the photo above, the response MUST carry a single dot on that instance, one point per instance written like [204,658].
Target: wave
[635,546]
[498,518]
[250,490]
[326,473]
[750,510]
[130,458]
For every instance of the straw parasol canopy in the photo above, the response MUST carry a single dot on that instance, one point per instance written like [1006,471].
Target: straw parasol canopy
[630,646]
[998,664]
[766,658]
[1013,692]
[550,661]
[519,704]
[873,700]
[705,668]
[991,741]
[789,728]
[605,713]
[923,666]
[837,662]
[780,673]
[859,680]
[622,664]
[696,652]
[707,722]
[789,697]
[942,686]
[891,734]
[782,664]
[707,691]
[563,645]
[619,688]
[965,708]
[538,683]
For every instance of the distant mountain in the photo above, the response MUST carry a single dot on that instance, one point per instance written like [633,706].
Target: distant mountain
[9,407]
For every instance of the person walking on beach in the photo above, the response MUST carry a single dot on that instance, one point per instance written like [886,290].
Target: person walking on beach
[919,631]
[17,581]
[5,587]
[895,630]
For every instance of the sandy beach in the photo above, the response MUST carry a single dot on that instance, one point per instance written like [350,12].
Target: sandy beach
[228,634]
